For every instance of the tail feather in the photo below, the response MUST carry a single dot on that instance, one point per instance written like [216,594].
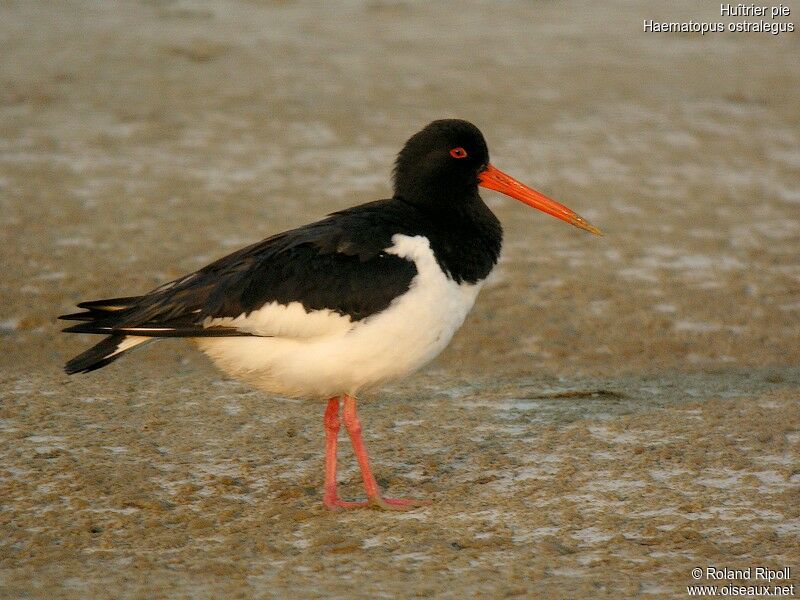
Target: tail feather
[110,304]
[86,315]
[99,309]
[99,355]
[126,328]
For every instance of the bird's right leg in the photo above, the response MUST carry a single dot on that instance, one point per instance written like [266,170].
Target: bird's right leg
[331,422]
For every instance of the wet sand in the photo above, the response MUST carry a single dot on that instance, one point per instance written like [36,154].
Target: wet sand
[614,412]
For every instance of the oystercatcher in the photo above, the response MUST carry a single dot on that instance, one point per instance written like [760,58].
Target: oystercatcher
[325,311]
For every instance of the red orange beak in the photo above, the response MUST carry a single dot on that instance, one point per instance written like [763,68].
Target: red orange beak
[494,179]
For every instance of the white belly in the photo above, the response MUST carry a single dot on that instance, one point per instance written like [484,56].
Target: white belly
[344,356]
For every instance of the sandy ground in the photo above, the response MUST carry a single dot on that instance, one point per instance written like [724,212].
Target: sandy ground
[615,412]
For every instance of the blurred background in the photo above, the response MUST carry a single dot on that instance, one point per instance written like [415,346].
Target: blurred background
[140,140]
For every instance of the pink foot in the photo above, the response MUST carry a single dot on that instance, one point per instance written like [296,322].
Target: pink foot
[335,504]
[376,502]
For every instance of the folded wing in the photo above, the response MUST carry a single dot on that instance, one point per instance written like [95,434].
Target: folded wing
[335,268]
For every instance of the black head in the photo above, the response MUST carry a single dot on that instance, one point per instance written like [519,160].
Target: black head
[441,167]
[441,164]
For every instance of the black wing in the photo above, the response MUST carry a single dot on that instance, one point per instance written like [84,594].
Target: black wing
[338,264]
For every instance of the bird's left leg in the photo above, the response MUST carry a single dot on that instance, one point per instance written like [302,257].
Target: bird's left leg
[374,498]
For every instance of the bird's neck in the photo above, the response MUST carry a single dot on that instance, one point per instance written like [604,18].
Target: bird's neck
[465,235]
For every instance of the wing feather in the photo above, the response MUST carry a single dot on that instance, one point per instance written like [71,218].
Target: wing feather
[336,266]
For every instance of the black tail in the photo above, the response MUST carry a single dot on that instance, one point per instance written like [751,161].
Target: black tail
[97,356]
[112,347]
[126,328]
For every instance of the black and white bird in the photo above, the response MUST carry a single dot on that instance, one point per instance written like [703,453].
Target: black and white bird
[328,310]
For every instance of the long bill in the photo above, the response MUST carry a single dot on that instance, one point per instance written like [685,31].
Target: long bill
[494,179]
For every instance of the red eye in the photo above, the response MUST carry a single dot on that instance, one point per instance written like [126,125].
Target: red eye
[458,152]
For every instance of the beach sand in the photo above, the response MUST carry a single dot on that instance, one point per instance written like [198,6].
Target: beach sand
[615,411]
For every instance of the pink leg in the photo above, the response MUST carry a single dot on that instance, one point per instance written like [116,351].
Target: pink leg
[374,498]
[331,497]
[331,439]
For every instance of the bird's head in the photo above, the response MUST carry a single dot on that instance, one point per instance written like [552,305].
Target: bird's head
[448,160]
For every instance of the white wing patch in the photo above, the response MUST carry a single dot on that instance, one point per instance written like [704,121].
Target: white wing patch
[286,321]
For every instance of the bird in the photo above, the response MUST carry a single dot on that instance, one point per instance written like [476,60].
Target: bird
[366,295]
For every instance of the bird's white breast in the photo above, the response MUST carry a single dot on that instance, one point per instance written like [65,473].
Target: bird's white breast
[321,353]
